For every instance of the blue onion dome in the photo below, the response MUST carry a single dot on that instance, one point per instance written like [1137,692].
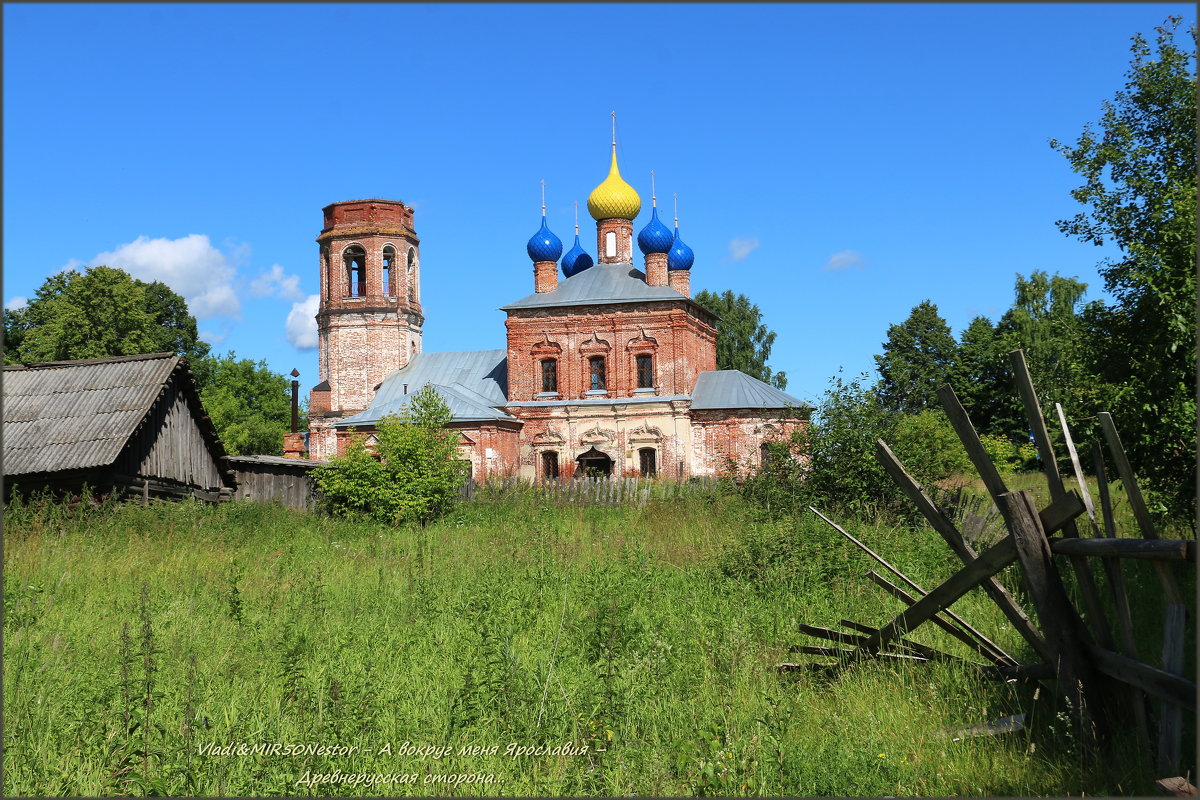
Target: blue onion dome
[544,246]
[681,256]
[655,237]
[576,260]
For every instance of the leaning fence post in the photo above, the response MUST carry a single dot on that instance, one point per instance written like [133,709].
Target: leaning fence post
[1037,423]
[1060,625]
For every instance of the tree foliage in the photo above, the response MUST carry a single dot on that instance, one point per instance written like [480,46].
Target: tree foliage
[743,340]
[99,313]
[1046,322]
[916,360]
[832,461]
[248,403]
[1139,191]
[412,476]
[983,381]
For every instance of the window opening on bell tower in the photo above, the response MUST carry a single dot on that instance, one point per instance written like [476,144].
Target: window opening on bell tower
[389,261]
[355,259]
[412,275]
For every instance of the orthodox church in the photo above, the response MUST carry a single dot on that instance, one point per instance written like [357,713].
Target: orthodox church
[609,369]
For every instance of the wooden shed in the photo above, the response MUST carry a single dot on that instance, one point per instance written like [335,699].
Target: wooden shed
[124,423]
[266,479]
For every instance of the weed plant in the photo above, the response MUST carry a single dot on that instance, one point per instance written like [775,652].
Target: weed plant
[141,641]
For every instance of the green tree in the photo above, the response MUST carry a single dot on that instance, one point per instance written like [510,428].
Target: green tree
[413,475]
[1046,322]
[983,382]
[249,404]
[916,360]
[99,313]
[1139,190]
[838,448]
[743,340]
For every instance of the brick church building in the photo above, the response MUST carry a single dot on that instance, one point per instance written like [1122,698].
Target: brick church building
[608,368]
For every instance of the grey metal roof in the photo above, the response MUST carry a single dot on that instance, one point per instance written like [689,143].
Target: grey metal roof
[77,414]
[602,283]
[473,384]
[731,388]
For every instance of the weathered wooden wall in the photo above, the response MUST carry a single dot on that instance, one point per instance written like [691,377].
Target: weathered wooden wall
[265,479]
[168,445]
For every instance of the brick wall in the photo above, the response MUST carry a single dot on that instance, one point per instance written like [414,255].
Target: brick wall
[679,337]
[623,232]
[656,269]
[722,434]
[545,276]
[681,281]
[491,447]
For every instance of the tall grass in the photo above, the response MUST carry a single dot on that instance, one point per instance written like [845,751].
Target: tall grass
[137,638]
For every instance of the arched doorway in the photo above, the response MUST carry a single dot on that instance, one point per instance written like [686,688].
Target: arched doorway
[594,463]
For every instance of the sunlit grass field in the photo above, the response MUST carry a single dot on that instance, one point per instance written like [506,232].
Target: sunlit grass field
[513,648]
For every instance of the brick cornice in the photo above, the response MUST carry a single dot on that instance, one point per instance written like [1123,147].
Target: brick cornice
[367,230]
[400,310]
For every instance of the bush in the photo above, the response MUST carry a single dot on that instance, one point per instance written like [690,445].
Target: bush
[840,444]
[1009,455]
[413,475]
[832,463]
[928,446]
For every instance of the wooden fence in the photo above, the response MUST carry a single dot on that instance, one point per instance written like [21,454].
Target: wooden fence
[611,491]
[1100,673]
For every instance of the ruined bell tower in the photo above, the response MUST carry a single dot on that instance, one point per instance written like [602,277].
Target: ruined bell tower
[369,320]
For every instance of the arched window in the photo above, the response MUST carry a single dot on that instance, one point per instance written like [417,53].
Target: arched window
[389,261]
[549,464]
[596,373]
[764,455]
[610,244]
[412,275]
[645,372]
[355,259]
[648,461]
[549,375]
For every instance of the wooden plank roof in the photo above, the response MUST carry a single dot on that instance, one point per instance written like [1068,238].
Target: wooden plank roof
[66,415]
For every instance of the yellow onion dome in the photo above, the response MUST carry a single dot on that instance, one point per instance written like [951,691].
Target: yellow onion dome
[614,198]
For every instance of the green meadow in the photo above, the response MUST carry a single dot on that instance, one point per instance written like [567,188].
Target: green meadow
[513,648]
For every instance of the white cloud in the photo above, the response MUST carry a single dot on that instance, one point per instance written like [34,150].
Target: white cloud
[191,266]
[740,248]
[14,303]
[301,323]
[845,259]
[277,282]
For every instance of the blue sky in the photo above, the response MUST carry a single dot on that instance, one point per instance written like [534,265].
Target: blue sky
[837,163]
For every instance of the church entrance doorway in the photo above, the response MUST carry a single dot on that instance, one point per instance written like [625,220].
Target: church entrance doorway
[593,464]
